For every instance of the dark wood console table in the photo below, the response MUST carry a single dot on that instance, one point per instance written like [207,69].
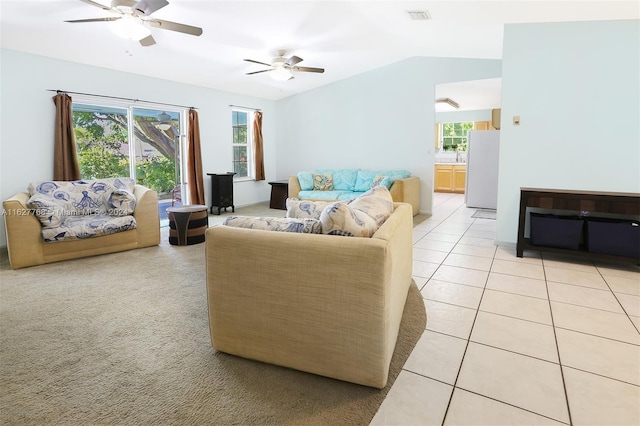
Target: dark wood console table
[585,202]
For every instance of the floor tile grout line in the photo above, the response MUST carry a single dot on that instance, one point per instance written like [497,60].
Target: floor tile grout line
[468,339]
[617,300]
[511,405]
[555,337]
[596,335]
[603,376]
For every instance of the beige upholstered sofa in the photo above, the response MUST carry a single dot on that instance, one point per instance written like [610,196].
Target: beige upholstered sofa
[403,190]
[324,304]
[26,246]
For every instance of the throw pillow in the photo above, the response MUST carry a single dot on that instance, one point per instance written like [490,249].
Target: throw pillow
[322,182]
[341,217]
[305,209]
[281,224]
[49,212]
[121,203]
[306,181]
[382,180]
[376,203]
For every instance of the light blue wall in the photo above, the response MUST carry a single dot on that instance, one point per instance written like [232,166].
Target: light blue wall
[381,119]
[458,116]
[27,113]
[575,87]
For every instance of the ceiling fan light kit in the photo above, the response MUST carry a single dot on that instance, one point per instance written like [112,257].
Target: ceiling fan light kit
[134,20]
[281,68]
[130,28]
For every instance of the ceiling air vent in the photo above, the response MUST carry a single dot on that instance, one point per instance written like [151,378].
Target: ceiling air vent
[419,15]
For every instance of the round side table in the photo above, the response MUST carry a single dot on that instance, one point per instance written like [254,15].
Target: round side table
[187,224]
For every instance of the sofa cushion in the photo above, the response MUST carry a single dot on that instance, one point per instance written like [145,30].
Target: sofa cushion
[83,197]
[322,195]
[322,182]
[376,203]
[281,224]
[365,178]
[343,179]
[305,209]
[82,227]
[348,196]
[341,217]
[306,181]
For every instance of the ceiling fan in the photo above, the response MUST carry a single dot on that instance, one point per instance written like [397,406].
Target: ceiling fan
[135,17]
[281,68]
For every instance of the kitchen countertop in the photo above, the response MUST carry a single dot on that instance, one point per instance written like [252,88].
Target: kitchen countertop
[450,164]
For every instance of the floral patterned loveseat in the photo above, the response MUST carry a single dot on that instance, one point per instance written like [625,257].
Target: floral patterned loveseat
[59,220]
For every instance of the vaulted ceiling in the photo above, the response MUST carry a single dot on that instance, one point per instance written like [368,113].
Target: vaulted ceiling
[344,37]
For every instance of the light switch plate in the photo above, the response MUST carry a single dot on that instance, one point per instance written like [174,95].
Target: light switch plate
[516,120]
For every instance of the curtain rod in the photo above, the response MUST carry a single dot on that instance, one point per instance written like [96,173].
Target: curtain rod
[240,106]
[117,97]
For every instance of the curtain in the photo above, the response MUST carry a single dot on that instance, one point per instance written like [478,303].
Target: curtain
[257,141]
[65,159]
[195,180]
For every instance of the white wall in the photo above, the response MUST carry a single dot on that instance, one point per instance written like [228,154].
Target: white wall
[381,119]
[575,87]
[28,113]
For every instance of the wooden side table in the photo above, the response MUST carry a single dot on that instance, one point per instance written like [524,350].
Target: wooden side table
[279,194]
[187,224]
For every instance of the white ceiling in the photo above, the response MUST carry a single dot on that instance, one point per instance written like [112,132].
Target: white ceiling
[345,37]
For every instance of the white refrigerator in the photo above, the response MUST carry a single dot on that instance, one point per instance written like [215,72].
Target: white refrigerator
[483,149]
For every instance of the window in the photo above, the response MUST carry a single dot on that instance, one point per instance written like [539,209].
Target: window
[454,135]
[242,124]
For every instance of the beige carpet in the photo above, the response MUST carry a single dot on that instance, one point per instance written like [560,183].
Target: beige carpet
[124,339]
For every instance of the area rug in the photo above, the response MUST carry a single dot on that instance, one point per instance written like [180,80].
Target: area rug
[123,339]
[484,214]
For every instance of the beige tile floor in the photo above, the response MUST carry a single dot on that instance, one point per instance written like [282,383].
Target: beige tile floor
[516,341]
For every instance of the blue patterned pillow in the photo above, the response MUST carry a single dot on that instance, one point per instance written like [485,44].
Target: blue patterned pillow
[306,181]
[382,180]
[377,203]
[121,203]
[305,209]
[322,182]
[364,180]
[341,217]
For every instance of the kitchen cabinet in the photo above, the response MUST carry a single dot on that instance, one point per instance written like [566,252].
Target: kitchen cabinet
[482,125]
[450,178]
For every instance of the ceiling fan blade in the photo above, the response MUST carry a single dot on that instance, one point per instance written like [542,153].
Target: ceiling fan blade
[77,21]
[147,7]
[258,72]
[257,62]
[147,41]
[174,26]
[101,6]
[293,60]
[308,69]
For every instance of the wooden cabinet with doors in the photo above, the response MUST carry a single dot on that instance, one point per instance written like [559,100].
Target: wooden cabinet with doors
[450,178]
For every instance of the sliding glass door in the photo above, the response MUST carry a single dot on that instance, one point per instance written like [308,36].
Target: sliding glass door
[142,143]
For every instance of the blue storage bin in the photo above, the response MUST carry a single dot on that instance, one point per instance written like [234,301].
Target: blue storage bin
[552,230]
[616,237]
